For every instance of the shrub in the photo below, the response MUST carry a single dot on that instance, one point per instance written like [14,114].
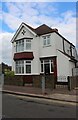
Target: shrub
[9,73]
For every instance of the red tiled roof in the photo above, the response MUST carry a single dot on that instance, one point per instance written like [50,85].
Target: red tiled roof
[43,29]
[23,56]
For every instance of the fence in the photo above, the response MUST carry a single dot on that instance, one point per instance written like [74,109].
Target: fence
[75,71]
[72,82]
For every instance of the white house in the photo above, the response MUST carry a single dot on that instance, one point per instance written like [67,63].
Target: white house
[42,50]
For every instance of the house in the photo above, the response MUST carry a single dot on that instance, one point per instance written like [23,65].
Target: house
[4,68]
[42,50]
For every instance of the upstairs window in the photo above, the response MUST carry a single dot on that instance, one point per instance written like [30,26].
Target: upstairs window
[19,45]
[23,45]
[28,44]
[46,40]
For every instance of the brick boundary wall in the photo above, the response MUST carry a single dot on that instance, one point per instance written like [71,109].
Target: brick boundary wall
[13,80]
[72,82]
[49,81]
[36,81]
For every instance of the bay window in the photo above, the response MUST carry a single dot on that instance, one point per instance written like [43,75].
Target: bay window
[23,45]
[23,66]
[20,66]
[20,46]
[28,45]
[28,67]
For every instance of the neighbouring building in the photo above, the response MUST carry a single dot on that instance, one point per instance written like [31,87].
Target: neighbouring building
[42,50]
[4,68]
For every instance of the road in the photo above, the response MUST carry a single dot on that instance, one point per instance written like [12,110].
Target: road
[24,107]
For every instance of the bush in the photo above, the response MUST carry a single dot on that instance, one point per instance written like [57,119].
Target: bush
[9,73]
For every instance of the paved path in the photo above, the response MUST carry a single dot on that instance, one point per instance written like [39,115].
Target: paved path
[57,94]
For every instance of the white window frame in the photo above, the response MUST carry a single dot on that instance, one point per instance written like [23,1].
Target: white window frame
[19,65]
[24,65]
[50,62]
[19,44]
[23,42]
[27,41]
[27,64]
[46,39]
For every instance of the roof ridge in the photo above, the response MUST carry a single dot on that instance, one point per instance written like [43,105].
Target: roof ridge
[42,26]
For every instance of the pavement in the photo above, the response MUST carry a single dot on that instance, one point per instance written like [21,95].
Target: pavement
[60,94]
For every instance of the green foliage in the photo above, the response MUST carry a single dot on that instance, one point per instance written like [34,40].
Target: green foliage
[9,73]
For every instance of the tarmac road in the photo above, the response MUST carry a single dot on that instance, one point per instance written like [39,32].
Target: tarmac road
[15,106]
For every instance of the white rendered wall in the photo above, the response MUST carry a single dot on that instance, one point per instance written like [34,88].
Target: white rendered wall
[71,65]
[62,67]
[35,62]
[47,51]
[58,42]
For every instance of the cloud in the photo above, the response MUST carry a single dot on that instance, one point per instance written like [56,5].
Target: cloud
[36,14]
[6,48]
[30,13]
[12,21]
[68,26]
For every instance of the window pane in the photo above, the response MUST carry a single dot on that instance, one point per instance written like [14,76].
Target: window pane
[28,46]
[20,69]
[47,68]
[28,68]
[44,42]
[20,46]
[16,69]
[48,41]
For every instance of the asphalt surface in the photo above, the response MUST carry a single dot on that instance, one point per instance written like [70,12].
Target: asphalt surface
[24,107]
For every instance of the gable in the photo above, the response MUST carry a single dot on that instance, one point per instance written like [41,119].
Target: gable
[23,32]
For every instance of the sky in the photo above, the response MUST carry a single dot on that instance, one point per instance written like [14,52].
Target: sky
[60,15]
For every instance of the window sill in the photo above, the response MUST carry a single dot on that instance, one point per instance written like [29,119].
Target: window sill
[24,51]
[22,74]
[47,74]
[46,46]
